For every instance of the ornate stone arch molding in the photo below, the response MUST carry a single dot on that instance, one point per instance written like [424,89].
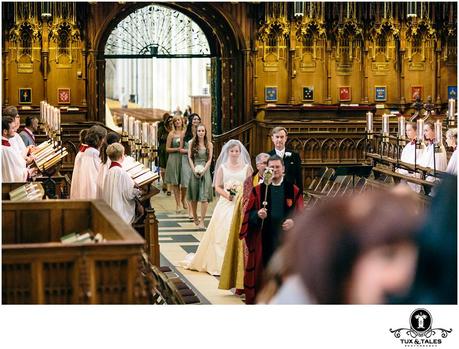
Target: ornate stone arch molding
[226,45]
[383,36]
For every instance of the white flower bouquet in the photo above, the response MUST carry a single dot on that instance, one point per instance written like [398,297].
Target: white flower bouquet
[199,169]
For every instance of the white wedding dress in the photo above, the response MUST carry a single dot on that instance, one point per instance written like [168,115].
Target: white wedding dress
[211,250]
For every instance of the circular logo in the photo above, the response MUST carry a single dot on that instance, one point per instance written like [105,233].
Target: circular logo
[420,320]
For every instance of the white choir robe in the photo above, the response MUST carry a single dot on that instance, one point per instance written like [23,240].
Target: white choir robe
[128,162]
[18,144]
[14,167]
[427,160]
[84,175]
[119,193]
[409,155]
[452,164]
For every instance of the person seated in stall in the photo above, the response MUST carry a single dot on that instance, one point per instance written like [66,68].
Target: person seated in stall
[16,141]
[27,134]
[119,190]
[14,168]
[433,151]
[87,164]
[410,154]
[451,140]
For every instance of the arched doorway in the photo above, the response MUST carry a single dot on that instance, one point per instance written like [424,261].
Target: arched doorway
[158,59]
[229,106]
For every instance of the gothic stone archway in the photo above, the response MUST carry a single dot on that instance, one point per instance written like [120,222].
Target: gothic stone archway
[226,46]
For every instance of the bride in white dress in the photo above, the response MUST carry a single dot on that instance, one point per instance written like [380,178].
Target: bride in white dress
[233,166]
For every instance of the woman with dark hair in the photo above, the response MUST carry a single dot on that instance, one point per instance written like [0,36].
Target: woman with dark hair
[200,183]
[433,145]
[193,121]
[164,127]
[349,250]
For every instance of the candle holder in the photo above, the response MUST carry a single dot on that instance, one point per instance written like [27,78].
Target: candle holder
[124,137]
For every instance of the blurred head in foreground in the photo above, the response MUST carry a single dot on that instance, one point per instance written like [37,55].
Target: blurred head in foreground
[353,250]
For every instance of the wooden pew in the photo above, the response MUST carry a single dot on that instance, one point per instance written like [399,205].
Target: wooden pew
[39,269]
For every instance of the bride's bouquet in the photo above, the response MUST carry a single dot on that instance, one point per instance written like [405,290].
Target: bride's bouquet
[232,187]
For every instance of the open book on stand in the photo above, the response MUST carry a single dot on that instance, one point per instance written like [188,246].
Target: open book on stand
[141,175]
[47,155]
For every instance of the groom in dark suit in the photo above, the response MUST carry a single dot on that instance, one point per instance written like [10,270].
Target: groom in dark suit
[291,159]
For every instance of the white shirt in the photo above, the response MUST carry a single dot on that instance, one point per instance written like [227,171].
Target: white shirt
[14,167]
[18,144]
[84,175]
[409,154]
[280,153]
[452,164]
[124,99]
[119,193]
[427,158]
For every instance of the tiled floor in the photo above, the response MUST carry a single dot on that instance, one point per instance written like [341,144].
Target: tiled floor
[178,237]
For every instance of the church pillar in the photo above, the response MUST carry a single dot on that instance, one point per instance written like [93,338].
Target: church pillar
[291,74]
[364,69]
[401,74]
[437,81]
[45,57]
[327,65]
[6,74]
[100,88]
[255,75]
[83,74]
[247,74]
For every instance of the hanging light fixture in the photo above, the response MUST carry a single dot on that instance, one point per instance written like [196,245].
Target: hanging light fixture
[46,10]
[298,9]
[411,10]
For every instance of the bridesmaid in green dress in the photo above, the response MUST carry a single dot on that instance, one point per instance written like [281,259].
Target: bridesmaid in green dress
[200,185]
[193,121]
[174,161]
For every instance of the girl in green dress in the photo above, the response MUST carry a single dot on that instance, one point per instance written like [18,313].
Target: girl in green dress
[200,185]
[193,121]
[174,161]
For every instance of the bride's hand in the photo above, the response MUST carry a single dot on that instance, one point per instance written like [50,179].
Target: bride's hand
[230,197]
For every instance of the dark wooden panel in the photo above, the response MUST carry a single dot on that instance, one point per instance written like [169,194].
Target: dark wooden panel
[35,226]
[8,227]
[75,220]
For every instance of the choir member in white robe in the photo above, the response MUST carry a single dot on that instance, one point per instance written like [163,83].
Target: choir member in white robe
[87,165]
[410,154]
[14,167]
[451,140]
[17,142]
[128,162]
[427,158]
[119,188]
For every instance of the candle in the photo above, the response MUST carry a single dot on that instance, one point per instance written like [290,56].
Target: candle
[401,126]
[385,124]
[145,132]
[451,108]
[125,123]
[152,135]
[41,111]
[438,132]
[131,127]
[370,122]
[420,130]
[137,129]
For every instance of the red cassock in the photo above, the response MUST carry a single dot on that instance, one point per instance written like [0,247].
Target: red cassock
[253,235]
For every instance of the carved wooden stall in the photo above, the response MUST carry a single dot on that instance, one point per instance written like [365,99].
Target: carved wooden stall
[38,268]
